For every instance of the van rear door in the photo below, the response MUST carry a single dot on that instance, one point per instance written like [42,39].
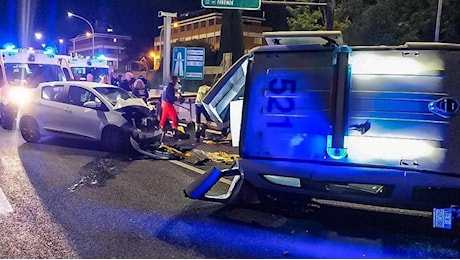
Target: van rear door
[228,88]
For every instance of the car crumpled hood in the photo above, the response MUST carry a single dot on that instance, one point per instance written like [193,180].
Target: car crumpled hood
[128,105]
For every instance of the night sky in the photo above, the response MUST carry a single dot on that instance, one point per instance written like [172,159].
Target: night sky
[19,19]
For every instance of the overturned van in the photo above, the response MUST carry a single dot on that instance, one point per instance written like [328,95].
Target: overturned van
[368,124]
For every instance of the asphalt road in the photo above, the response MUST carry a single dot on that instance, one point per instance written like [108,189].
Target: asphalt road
[70,199]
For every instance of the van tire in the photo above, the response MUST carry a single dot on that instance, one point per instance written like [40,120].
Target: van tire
[29,130]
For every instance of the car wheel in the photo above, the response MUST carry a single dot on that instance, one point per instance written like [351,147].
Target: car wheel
[114,139]
[7,121]
[29,130]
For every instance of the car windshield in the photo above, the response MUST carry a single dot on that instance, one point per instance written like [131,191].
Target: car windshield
[112,94]
[81,72]
[32,74]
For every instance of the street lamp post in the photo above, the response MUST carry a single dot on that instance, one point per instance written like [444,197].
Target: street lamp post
[69,14]
[438,21]
[167,19]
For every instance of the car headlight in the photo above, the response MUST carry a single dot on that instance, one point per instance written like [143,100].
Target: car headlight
[19,96]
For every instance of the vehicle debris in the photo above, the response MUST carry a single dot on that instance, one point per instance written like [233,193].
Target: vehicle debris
[96,173]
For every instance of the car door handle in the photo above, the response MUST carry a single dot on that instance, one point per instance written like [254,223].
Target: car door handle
[67,109]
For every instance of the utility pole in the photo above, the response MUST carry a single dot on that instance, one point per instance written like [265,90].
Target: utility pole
[167,19]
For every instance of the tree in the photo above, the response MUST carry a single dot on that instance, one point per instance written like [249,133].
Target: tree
[389,22]
[313,18]
[231,35]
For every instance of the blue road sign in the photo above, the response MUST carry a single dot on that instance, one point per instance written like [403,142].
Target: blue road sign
[188,63]
[179,61]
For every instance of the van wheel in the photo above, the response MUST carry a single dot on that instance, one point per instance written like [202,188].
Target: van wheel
[29,130]
[114,139]
[7,121]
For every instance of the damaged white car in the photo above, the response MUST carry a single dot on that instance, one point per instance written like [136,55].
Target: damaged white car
[87,110]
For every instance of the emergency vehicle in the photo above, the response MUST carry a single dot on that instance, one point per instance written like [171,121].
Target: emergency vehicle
[21,69]
[81,66]
[375,125]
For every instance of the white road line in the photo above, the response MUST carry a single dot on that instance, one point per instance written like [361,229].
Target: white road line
[189,167]
[5,206]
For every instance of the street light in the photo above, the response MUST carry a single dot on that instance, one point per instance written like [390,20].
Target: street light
[69,14]
[38,35]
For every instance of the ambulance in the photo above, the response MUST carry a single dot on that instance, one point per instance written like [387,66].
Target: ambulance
[319,119]
[22,69]
[81,66]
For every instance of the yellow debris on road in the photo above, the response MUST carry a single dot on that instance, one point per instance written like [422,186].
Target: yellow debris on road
[196,156]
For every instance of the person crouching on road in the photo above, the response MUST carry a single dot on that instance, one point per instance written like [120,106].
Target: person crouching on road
[168,111]
[140,91]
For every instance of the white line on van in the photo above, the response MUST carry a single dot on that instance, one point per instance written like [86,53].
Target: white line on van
[5,206]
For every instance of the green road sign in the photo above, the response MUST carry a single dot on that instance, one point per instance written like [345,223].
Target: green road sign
[232,4]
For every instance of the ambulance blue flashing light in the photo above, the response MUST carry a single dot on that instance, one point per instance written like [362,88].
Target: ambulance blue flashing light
[101,57]
[49,51]
[9,47]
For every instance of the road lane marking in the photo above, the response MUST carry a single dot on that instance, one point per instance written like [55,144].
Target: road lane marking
[5,206]
[200,171]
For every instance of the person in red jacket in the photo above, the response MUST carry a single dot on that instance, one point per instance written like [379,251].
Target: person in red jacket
[168,111]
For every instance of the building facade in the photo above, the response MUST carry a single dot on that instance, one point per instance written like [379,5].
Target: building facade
[207,27]
[112,46]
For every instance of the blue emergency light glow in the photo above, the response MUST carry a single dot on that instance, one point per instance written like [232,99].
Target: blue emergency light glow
[242,240]
[291,115]
[9,47]
[49,51]
[101,57]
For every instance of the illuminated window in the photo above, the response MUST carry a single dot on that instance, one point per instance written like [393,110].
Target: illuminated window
[258,40]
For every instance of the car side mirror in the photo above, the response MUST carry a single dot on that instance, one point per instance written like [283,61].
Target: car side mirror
[92,104]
